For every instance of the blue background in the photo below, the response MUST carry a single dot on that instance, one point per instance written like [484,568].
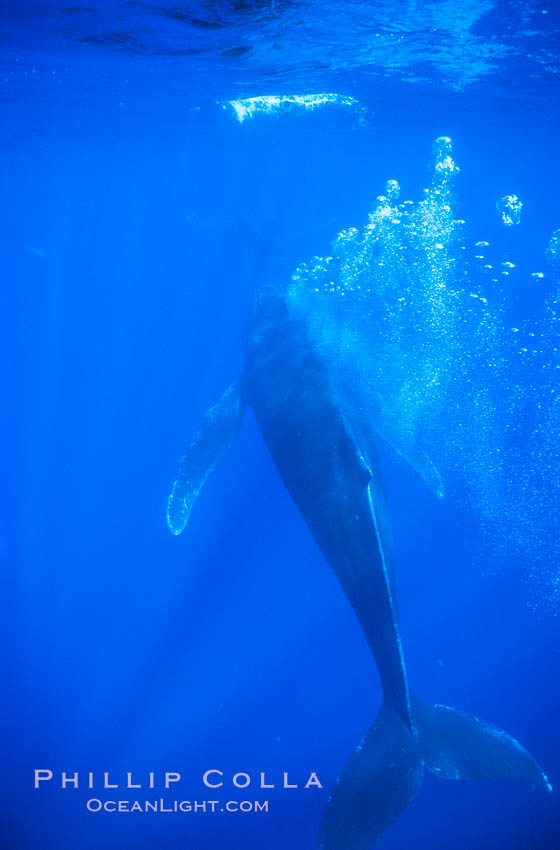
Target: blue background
[137,218]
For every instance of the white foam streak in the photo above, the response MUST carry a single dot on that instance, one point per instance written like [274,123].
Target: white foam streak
[271,104]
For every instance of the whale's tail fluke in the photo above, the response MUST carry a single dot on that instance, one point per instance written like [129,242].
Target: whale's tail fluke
[377,783]
[385,771]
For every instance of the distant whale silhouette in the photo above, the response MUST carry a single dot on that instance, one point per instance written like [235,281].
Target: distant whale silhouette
[324,447]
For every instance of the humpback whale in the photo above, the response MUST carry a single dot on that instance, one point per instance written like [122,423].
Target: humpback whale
[323,441]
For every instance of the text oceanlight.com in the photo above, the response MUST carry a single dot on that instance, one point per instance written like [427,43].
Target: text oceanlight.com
[177,806]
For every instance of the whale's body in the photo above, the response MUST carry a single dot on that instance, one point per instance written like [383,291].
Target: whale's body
[327,458]
[319,433]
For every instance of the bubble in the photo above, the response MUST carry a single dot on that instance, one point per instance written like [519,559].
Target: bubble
[441,147]
[401,314]
[446,169]
[510,208]
[553,249]
[444,166]
[393,190]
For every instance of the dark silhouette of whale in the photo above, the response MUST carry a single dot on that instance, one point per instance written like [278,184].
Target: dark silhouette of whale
[324,447]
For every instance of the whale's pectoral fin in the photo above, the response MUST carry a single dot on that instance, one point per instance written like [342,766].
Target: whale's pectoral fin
[457,745]
[219,429]
[376,785]
[406,445]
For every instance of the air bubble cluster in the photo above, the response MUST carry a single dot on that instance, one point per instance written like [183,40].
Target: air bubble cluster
[510,208]
[407,313]
[443,164]
[553,249]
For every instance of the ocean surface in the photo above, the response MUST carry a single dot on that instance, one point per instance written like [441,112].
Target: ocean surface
[159,163]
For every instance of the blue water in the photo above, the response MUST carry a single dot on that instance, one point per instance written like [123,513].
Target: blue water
[138,216]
